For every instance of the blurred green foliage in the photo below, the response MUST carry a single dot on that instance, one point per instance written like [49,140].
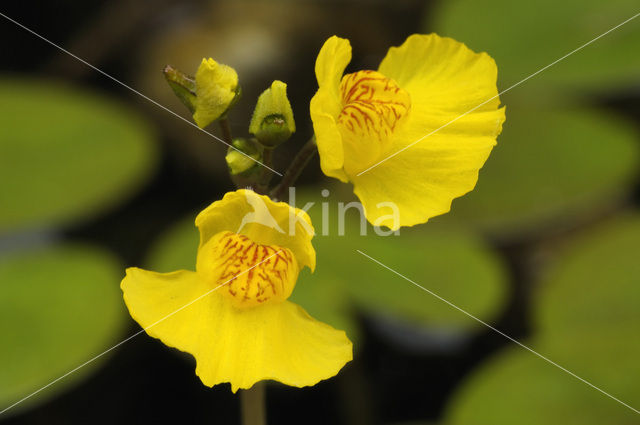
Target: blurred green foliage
[59,307]
[558,161]
[588,321]
[551,166]
[523,37]
[596,283]
[66,154]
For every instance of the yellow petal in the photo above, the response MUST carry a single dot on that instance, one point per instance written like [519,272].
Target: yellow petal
[444,143]
[166,304]
[333,58]
[216,86]
[326,104]
[328,137]
[279,341]
[265,222]
[261,274]
[448,76]
[422,181]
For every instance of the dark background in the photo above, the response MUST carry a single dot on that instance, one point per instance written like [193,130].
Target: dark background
[143,381]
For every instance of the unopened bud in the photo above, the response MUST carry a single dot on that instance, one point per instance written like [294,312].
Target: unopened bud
[244,156]
[216,91]
[272,122]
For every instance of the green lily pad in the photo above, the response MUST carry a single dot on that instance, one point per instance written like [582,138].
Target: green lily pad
[519,387]
[326,301]
[550,167]
[588,322]
[453,264]
[59,307]
[176,247]
[524,37]
[66,154]
[597,282]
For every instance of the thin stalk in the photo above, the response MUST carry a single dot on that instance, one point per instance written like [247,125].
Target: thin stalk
[226,130]
[262,185]
[253,405]
[295,169]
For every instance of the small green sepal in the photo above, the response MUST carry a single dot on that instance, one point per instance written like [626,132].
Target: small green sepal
[182,85]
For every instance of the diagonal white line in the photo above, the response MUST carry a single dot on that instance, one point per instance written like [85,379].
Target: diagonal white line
[136,334]
[498,331]
[502,92]
[135,91]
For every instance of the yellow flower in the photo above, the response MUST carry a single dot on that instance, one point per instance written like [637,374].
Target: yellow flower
[370,126]
[232,313]
[216,91]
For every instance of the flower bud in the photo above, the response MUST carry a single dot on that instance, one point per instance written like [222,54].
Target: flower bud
[243,155]
[272,122]
[216,89]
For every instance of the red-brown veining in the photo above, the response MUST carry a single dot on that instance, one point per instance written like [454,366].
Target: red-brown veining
[373,105]
[253,273]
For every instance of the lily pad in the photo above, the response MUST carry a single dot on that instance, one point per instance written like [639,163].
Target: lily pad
[326,301]
[524,37]
[176,247]
[59,307]
[551,167]
[519,387]
[588,322]
[597,283]
[453,264]
[66,154]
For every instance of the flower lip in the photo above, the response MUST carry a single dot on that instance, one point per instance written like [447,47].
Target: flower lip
[265,222]
[373,108]
[252,274]
[373,104]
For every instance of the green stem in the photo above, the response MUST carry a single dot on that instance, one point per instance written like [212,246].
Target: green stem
[226,130]
[261,183]
[253,405]
[295,169]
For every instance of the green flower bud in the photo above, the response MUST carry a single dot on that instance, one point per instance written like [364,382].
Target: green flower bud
[217,89]
[239,156]
[272,122]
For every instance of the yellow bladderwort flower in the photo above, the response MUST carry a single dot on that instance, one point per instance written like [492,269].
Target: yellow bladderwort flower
[232,313]
[367,124]
[217,90]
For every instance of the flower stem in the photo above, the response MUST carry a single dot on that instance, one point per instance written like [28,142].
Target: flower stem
[295,169]
[226,130]
[253,405]
[261,185]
